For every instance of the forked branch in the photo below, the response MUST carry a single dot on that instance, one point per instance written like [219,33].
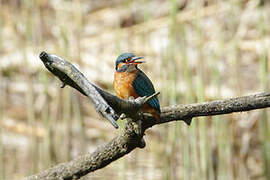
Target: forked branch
[129,139]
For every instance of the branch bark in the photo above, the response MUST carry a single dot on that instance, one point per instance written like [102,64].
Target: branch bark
[103,101]
[130,138]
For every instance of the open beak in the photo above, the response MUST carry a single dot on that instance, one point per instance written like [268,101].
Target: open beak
[134,60]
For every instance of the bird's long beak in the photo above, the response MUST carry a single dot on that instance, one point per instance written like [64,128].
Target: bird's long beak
[133,60]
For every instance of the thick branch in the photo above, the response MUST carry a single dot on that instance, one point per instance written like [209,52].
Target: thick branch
[71,76]
[187,112]
[103,155]
[245,103]
[105,103]
[129,139]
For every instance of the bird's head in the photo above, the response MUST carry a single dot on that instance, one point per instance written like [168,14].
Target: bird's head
[127,61]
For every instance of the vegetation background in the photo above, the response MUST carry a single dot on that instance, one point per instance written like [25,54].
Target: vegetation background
[196,50]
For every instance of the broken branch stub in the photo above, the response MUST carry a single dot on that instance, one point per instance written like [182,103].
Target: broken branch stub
[71,76]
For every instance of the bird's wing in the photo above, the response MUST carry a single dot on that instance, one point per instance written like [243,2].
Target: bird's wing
[144,87]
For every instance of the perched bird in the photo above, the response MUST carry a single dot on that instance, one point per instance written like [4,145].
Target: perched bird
[129,81]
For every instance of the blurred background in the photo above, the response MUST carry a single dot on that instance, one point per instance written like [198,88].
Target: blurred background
[196,51]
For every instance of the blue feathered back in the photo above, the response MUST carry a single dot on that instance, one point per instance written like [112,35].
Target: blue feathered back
[144,87]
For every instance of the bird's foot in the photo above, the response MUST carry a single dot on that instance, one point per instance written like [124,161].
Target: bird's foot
[131,98]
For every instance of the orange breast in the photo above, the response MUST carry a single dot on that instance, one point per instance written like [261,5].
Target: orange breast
[123,84]
[123,87]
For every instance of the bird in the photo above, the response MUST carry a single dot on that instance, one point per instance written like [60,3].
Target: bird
[130,81]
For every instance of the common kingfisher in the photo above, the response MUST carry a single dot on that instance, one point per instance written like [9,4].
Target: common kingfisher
[129,81]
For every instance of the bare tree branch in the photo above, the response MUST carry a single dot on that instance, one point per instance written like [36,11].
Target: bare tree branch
[102,156]
[238,104]
[70,75]
[129,138]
